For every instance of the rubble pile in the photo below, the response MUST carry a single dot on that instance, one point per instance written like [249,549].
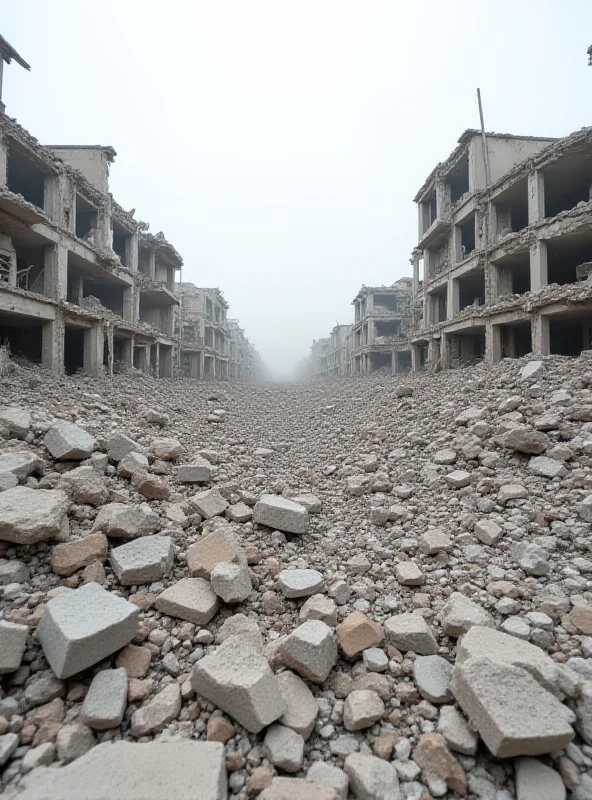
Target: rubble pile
[376,589]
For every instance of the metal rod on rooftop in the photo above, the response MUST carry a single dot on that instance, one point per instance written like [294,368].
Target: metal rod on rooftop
[484,138]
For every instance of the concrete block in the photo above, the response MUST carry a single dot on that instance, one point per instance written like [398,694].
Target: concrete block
[106,699]
[13,639]
[300,582]
[209,503]
[217,547]
[325,775]
[81,627]
[66,558]
[459,614]
[143,560]
[281,514]
[199,471]
[284,748]
[311,650]
[156,770]
[32,515]
[68,442]
[191,599]
[20,464]
[410,632]
[537,781]
[231,582]
[371,777]
[127,521]
[301,708]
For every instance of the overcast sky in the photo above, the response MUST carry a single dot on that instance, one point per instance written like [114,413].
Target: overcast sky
[279,143]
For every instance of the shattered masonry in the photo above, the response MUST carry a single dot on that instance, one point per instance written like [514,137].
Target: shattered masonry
[499,271]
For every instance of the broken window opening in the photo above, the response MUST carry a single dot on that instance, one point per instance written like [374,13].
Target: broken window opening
[385,302]
[568,182]
[569,259]
[30,268]
[570,337]
[439,306]
[516,340]
[429,210]
[120,243]
[387,328]
[209,309]
[73,350]
[436,260]
[458,180]
[467,238]
[87,219]
[382,361]
[24,340]
[403,361]
[467,348]
[25,178]
[471,290]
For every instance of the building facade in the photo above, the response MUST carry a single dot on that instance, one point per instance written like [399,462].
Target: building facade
[338,364]
[73,291]
[203,332]
[504,251]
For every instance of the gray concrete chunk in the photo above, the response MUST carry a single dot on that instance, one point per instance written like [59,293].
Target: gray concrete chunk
[325,775]
[459,614]
[537,781]
[17,420]
[156,770]
[106,699]
[13,639]
[20,464]
[311,649]
[281,514]
[455,729]
[191,599]
[199,471]
[143,560]
[131,463]
[372,778]
[300,582]
[119,445]
[81,627]
[237,678]
[410,632]
[301,707]
[231,582]
[32,515]
[158,712]
[126,521]
[68,442]
[514,715]
[284,748]
[209,503]
[432,676]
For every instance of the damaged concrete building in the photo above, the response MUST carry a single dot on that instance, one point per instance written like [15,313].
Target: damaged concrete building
[380,333]
[504,251]
[338,363]
[73,291]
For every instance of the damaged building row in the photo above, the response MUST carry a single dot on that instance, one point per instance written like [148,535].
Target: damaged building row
[83,285]
[502,267]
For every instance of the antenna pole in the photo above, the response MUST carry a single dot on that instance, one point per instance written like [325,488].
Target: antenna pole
[484,140]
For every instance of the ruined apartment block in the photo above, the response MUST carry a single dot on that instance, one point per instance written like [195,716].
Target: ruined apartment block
[379,336]
[338,362]
[504,251]
[319,358]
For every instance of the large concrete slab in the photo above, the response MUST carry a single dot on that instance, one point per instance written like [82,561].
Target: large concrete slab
[281,514]
[32,515]
[153,771]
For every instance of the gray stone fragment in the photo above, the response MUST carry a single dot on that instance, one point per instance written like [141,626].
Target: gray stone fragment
[311,650]
[156,770]
[524,439]
[514,715]
[532,558]
[32,515]
[209,503]
[131,463]
[372,778]
[458,478]
[81,627]
[455,729]
[13,639]
[12,571]
[239,512]
[434,541]
[363,707]
[325,775]
[126,521]
[73,741]
[199,471]
[284,747]
[410,632]
[310,502]
[161,709]
[237,678]
[488,532]
[300,582]
[432,675]
[516,626]
[119,445]
[344,745]
[408,573]
[8,744]
[301,708]
[191,599]
[85,485]
[143,560]
[20,464]
[531,369]
[585,508]
[68,442]
[43,688]
[106,699]
[281,514]
[546,467]
[375,659]
[17,420]
[7,481]
[40,756]
[537,781]
[231,582]
[459,614]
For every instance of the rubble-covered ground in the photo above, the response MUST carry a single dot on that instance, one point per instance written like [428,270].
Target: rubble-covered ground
[428,635]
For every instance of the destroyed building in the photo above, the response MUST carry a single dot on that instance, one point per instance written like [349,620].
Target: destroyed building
[319,357]
[203,332]
[504,251]
[338,360]
[381,328]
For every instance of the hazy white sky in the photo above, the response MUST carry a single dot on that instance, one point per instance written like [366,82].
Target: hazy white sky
[279,143]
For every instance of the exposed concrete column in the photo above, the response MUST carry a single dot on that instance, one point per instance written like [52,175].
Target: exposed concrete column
[502,281]
[147,359]
[493,343]
[104,230]
[152,265]
[93,349]
[511,341]
[538,266]
[131,251]
[452,298]
[128,303]
[415,258]
[78,289]
[52,339]
[431,348]
[157,360]
[56,272]
[128,351]
[51,199]
[445,350]
[415,358]
[371,331]
[536,196]
[3,152]
[456,249]
[541,340]
[166,361]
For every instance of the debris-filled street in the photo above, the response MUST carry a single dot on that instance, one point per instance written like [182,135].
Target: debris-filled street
[376,586]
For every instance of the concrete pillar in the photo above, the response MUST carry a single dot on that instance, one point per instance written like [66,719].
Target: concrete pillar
[52,337]
[493,343]
[536,197]
[131,252]
[93,349]
[52,200]
[77,289]
[104,231]
[371,331]
[502,281]
[128,351]
[56,272]
[128,303]
[456,245]
[541,340]
[152,265]
[416,255]
[445,350]
[3,151]
[431,348]
[157,360]
[538,266]
[147,359]
[452,298]
[166,362]
[393,362]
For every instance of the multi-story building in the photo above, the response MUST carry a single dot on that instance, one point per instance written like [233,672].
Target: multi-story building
[238,351]
[320,357]
[338,360]
[505,240]
[203,330]
[72,292]
[379,336]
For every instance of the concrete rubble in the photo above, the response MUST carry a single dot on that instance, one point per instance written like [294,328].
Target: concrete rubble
[418,655]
